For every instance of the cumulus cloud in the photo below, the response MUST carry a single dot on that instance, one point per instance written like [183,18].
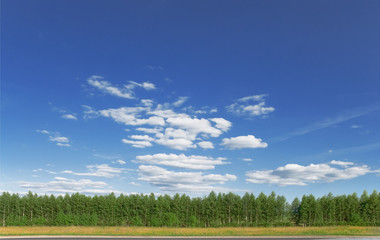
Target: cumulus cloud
[244,106]
[129,116]
[222,124]
[294,174]
[150,130]
[194,125]
[171,181]
[181,161]
[239,142]
[206,145]
[177,143]
[142,137]
[170,129]
[99,170]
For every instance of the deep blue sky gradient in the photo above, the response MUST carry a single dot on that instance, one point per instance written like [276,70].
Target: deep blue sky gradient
[318,61]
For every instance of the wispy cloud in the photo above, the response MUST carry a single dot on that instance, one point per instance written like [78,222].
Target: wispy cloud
[99,170]
[69,116]
[151,67]
[57,138]
[295,174]
[244,106]
[63,185]
[65,114]
[182,161]
[328,122]
[171,181]
[180,101]
[127,91]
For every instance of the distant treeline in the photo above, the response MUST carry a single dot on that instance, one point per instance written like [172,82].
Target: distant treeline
[214,210]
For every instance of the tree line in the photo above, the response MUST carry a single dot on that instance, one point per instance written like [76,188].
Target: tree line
[213,210]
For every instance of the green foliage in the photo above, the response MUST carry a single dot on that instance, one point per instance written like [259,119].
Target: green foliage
[214,210]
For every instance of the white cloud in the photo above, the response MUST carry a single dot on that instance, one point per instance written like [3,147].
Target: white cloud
[355,126]
[145,85]
[181,161]
[249,141]
[61,179]
[214,110]
[43,131]
[142,137]
[341,163]
[222,124]
[59,139]
[177,143]
[89,112]
[69,116]
[55,137]
[243,107]
[294,174]
[64,185]
[96,81]
[247,159]
[63,144]
[194,125]
[150,130]
[171,181]
[181,129]
[129,116]
[135,184]
[137,144]
[124,92]
[180,101]
[206,145]
[258,98]
[121,162]
[147,102]
[99,170]
[253,110]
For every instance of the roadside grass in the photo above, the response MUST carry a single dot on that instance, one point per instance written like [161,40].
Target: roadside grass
[165,231]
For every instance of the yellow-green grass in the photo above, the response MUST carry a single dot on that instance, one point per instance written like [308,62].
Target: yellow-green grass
[163,231]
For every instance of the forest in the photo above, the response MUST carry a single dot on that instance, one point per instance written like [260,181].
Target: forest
[213,210]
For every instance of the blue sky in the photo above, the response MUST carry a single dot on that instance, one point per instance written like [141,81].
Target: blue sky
[190,97]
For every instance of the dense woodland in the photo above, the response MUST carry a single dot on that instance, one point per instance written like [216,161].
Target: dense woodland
[214,210]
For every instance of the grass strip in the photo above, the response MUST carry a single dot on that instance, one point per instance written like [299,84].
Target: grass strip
[165,231]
